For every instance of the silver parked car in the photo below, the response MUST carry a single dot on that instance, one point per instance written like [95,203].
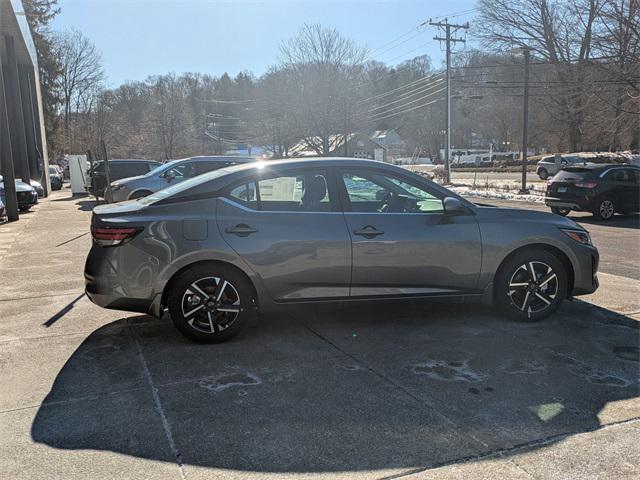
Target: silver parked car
[214,249]
[550,165]
[169,173]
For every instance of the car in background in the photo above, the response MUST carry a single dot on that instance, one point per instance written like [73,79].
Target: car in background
[170,173]
[38,187]
[215,248]
[96,181]
[550,165]
[27,195]
[55,175]
[1,210]
[603,190]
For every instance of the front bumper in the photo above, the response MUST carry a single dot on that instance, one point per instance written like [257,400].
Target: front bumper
[586,272]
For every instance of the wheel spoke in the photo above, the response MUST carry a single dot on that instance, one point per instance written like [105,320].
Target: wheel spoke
[211,324]
[519,285]
[199,291]
[228,308]
[188,314]
[547,278]
[222,284]
[532,272]
[525,303]
[543,298]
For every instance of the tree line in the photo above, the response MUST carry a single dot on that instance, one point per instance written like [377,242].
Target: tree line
[584,90]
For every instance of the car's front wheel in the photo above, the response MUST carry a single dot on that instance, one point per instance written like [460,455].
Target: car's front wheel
[543,174]
[210,303]
[531,285]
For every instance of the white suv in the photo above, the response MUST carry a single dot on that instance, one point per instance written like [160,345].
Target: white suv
[552,164]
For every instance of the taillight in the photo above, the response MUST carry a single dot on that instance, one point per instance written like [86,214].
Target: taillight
[586,185]
[113,236]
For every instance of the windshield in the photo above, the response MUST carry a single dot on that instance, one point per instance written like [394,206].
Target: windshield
[161,168]
[182,186]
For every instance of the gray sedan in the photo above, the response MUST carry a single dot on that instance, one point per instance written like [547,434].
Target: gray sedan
[169,173]
[216,248]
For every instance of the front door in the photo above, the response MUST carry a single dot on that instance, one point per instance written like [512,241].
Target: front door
[288,228]
[402,242]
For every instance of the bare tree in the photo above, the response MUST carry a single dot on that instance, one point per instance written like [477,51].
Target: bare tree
[323,66]
[559,32]
[81,73]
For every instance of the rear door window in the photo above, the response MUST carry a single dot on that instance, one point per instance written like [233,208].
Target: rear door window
[305,191]
[572,174]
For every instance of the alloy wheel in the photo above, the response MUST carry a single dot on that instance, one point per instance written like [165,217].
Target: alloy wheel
[533,287]
[606,209]
[211,304]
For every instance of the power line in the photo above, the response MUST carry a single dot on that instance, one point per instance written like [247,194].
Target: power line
[376,116]
[402,87]
[407,95]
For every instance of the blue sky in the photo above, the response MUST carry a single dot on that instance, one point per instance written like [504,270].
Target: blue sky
[144,37]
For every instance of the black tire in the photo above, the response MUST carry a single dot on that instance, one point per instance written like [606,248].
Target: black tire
[560,211]
[208,324]
[24,209]
[543,174]
[604,208]
[139,194]
[545,294]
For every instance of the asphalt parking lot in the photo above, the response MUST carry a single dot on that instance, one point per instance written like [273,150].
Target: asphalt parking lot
[417,390]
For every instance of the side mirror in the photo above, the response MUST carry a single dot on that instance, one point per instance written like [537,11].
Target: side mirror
[168,176]
[452,206]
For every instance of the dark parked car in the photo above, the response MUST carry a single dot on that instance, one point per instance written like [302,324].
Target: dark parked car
[27,195]
[56,177]
[96,180]
[215,248]
[603,190]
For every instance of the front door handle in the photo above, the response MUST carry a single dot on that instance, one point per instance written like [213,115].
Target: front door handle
[368,232]
[241,230]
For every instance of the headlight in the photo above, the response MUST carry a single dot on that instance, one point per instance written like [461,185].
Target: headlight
[115,188]
[580,236]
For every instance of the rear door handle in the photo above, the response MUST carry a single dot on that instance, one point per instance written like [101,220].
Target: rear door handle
[241,230]
[368,232]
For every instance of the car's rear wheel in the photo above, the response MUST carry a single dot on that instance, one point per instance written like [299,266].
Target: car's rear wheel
[139,194]
[531,285]
[543,174]
[210,303]
[604,208]
[560,211]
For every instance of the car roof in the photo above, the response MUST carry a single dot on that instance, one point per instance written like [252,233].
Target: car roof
[604,166]
[216,158]
[129,160]
[319,162]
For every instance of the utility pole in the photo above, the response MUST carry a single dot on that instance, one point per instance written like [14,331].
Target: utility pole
[448,39]
[525,120]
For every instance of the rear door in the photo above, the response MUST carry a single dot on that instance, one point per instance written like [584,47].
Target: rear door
[402,242]
[288,227]
[625,184]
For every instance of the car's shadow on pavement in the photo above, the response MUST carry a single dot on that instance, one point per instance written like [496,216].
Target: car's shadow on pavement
[372,388]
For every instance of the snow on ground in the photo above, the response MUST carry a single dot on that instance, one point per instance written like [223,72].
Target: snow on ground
[466,191]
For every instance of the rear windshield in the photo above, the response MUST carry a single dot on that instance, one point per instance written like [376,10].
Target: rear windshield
[572,173]
[182,186]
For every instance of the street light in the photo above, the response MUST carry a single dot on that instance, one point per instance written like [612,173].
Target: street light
[526,51]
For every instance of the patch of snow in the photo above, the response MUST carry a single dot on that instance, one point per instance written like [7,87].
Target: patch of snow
[497,194]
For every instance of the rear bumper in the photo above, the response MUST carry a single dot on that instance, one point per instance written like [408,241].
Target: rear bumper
[573,204]
[104,294]
[108,281]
